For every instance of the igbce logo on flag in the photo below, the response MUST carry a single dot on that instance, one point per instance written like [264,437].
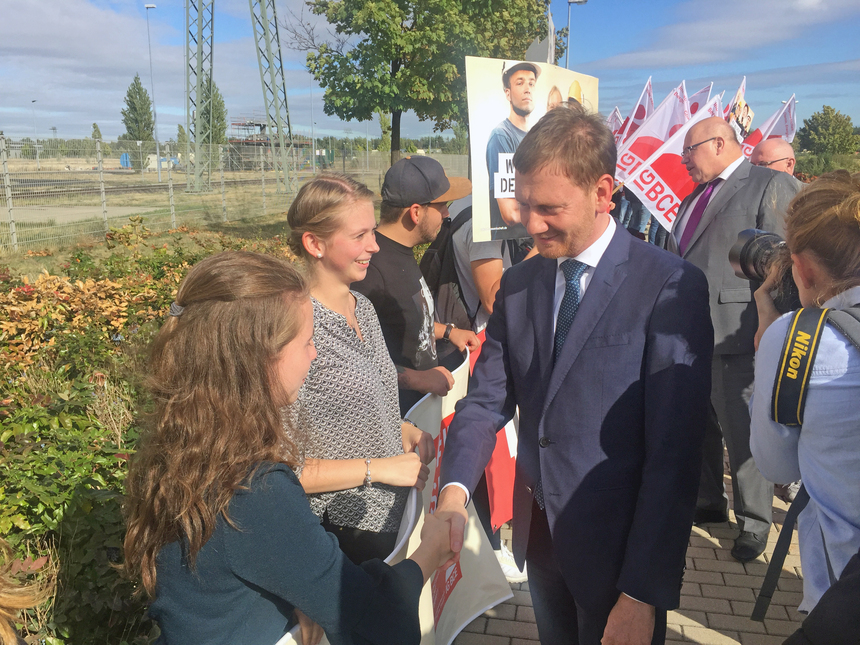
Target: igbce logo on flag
[443,582]
[662,186]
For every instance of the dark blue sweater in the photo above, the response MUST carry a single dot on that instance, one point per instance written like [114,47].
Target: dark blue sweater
[248,579]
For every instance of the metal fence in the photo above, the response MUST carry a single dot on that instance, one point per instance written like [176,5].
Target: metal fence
[57,193]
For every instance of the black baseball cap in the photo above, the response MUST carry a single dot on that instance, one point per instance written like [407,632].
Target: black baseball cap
[421,180]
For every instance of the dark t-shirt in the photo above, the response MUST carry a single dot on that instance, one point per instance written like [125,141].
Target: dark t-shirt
[404,306]
[505,138]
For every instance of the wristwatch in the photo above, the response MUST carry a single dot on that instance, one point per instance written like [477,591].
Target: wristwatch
[448,329]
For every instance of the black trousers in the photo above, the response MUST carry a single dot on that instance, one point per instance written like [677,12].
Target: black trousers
[560,619]
[361,546]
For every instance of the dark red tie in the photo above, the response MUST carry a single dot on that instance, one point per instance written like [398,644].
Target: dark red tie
[696,215]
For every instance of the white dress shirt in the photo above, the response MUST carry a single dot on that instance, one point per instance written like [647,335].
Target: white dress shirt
[681,222]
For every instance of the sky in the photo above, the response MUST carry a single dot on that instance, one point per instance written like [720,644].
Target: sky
[68,63]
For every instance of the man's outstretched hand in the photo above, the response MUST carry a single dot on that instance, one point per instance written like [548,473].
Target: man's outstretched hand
[452,508]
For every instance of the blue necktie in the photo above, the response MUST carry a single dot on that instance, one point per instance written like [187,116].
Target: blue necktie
[573,270]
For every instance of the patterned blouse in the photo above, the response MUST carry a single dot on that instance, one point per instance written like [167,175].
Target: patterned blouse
[349,410]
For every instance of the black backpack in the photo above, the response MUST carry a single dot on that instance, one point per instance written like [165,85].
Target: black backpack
[439,269]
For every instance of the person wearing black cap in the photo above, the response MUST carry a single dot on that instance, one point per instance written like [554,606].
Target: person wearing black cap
[415,196]
[519,81]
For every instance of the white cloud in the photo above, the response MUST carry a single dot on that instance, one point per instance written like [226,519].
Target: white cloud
[702,36]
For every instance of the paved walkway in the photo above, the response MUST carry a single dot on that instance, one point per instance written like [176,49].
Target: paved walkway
[716,600]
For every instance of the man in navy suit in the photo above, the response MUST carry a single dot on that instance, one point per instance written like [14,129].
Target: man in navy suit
[605,344]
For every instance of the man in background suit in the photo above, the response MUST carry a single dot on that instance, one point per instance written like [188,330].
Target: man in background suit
[732,195]
[604,343]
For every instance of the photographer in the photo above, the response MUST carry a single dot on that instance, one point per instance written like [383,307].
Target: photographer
[823,446]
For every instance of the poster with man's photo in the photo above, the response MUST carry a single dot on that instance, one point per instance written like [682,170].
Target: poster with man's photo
[507,97]
[741,118]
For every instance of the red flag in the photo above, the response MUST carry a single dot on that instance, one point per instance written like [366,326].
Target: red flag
[671,115]
[662,182]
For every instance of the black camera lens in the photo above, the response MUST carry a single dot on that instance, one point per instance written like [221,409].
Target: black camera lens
[753,253]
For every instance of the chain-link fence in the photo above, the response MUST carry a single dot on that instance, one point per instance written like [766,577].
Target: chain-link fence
[56,193]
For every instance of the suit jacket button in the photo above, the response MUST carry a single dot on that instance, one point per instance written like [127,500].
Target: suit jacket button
[544,442]
[529,489]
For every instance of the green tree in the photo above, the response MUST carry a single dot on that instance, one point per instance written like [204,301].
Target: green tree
[97,134]
[181,140]
[385,127]
[828,132]
[137,115]
[218,132]
[399,55]
[560,44]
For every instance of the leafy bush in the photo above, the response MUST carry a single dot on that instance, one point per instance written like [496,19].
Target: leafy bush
[71,357]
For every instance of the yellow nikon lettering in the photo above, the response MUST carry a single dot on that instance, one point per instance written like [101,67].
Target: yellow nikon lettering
[790,373]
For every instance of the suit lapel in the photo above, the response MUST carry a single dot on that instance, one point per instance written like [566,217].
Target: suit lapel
[608,276]
[541,301]
[732,185]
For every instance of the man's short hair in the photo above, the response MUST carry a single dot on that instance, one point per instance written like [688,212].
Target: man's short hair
[388,214]
[579,145]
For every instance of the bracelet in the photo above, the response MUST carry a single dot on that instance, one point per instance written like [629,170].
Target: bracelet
[368,482]
[405,420]
[448,329]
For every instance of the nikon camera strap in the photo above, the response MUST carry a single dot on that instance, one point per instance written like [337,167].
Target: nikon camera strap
[789,397]
[795,365]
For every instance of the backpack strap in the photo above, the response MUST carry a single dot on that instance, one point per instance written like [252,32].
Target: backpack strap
[795,366]
[847,321]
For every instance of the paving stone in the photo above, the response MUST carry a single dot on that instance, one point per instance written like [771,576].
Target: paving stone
[705,541]
[741,608]
[719,565]
[512,629]
[520,598]
[793,614]
[787,598]
[761,639]
[729,593]
[689,617]
[524,641]
[776,612]
[707,577]
[743,624]
[503,611]
[780,627]
[756,568]
[526,614]
[675,634]
[702,552]
[789,583]
[477,626]
[691,589]
[743,580]
[708,636]
[717,605]
[480,639]
[723,532]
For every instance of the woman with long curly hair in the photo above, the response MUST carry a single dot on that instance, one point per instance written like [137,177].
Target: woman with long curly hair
[219,529]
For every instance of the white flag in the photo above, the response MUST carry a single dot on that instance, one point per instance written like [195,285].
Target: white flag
[700,98]
[781,124]
[614,121]
[662,182]
[642,110]
[673,113]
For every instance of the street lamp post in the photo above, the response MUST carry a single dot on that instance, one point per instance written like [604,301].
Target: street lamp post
[152,87]
[313,133]
[567,56]
[35,136]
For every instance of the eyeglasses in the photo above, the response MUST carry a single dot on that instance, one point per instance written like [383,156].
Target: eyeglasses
[440,205]
[686,151]
[765,164]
